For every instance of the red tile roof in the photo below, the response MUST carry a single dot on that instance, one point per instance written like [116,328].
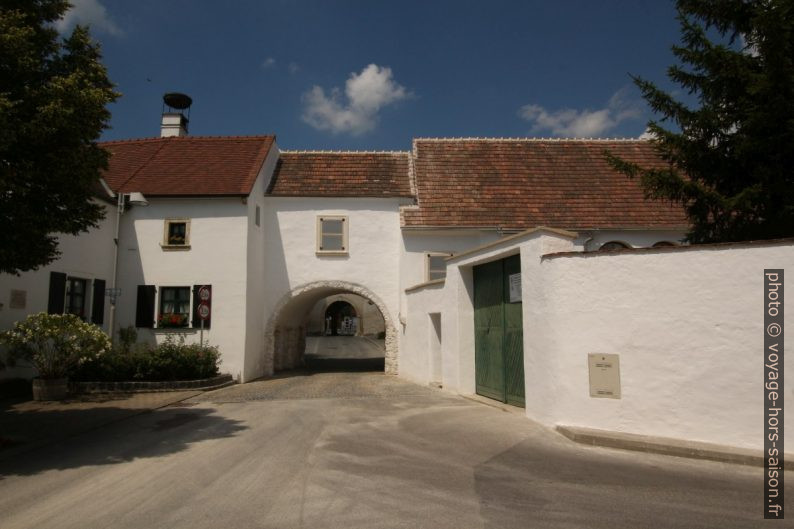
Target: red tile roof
[186,166]
[342,174]
[523,183]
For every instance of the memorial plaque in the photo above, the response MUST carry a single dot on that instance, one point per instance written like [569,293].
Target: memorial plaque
[604,375]
[19,299]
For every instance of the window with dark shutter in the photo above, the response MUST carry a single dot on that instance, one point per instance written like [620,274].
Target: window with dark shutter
[57,293]
[98,302]
[144,311]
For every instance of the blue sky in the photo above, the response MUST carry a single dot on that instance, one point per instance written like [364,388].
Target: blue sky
[374,74]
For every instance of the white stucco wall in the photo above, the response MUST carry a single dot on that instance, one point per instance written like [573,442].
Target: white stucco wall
[86,256]
[417,348]
[686,322]
[255,265]
[292,261]
[217,256]
[634,238]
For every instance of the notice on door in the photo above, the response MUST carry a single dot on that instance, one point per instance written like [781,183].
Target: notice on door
[604,375]
[514,281]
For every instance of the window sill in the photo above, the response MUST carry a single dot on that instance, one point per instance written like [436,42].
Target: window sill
[174,247]
[176,329]
[331,253]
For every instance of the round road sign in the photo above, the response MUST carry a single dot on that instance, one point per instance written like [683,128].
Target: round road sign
[203,311]
[204,293]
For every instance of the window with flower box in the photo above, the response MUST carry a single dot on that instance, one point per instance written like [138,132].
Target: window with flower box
[176,234]
[174,307]
[171,307]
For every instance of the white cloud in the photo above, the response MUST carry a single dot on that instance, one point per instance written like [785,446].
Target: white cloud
[355,111]
[268,63]
[586,123]
[88,13]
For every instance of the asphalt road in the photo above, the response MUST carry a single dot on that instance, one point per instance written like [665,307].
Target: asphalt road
[359,450]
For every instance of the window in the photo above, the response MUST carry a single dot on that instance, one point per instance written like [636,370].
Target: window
[332,235]
[174,307]
[256,216]
[69,295]
[75,297]
[612,246]
[436,266]
[663,244]
[176,234]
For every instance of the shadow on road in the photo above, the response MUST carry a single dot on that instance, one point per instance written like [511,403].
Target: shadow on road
[39,440]
[324,364]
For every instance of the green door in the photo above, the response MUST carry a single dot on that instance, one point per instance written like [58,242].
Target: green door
[498,333]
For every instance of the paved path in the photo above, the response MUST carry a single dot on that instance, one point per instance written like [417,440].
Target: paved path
[358,450]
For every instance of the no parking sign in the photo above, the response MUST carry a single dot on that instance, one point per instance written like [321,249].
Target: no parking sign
[205,297]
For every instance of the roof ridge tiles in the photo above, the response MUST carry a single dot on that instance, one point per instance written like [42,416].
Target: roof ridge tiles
[308,151]
[187,138]
[524,139]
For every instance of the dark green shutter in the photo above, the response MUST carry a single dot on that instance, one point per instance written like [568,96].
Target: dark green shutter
[98,302]
[196,301]
[144,310]
[57,296]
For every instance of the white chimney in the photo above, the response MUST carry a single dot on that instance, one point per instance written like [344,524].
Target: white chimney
[174,124]
[175,121]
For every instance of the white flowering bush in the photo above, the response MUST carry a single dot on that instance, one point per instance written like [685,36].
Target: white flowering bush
[55,343]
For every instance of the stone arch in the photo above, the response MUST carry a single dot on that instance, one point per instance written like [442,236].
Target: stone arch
[285,338]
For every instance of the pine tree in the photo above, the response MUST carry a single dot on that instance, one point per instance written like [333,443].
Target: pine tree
[730,159]
[53,107]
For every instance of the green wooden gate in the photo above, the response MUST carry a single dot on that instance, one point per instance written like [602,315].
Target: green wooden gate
[498,333]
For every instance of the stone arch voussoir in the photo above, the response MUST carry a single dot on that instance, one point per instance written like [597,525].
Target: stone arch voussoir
[284,343]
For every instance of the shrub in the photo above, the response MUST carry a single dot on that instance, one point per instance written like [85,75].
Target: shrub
[170,360]
[55,344]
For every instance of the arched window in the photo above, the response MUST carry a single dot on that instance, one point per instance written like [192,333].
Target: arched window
[612,246]
[663,244]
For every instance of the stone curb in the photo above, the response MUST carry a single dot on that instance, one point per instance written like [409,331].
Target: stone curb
[204,384]
[668,446]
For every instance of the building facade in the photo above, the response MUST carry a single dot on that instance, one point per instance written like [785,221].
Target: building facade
[420,238]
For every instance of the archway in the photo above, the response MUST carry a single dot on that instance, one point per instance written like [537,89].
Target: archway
[285,330]
[340,319]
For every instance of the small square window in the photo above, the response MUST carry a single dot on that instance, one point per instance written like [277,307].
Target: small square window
[174,307]
[436,266]
[332,235]
[176,234]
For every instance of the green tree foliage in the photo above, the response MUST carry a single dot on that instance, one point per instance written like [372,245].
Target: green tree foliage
[731,156]
[53,106]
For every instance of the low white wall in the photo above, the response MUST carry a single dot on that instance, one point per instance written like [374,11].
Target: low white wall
[417,344]
[687,324]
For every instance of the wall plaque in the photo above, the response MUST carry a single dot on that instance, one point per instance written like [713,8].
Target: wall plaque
[604,375]
[19,299]
[515,288]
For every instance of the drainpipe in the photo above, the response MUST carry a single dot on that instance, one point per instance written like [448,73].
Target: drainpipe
[112,296]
